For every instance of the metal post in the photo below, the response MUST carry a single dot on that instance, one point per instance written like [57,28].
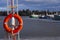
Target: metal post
[7,8]
[9,37]
[8,14]
[13,6]
[17,5]
[18,36]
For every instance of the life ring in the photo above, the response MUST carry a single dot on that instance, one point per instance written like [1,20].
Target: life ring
[7,28]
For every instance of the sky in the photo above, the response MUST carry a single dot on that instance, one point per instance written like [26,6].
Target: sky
[34,4]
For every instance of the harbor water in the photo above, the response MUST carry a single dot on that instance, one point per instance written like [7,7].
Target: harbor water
[36,29]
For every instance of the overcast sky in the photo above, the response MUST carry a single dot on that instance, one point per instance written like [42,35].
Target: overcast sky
[34,4]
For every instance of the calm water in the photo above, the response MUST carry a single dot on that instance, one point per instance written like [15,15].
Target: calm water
[39,28]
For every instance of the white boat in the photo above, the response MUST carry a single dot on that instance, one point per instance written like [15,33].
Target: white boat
[34,16]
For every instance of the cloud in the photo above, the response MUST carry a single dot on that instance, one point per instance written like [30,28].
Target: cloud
[21,5]
[48,1]
[3,8]
[53,7]
[34,4]
[27,0]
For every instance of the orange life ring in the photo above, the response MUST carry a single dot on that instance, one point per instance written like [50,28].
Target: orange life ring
[7,28]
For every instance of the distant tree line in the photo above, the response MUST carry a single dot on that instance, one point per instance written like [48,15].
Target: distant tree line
[28,12]
[3,13]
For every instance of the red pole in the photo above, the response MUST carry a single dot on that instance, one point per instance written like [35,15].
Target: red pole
[12,10]
[14,38]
